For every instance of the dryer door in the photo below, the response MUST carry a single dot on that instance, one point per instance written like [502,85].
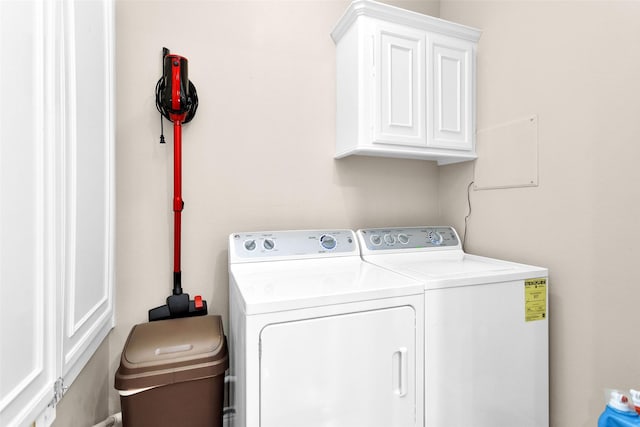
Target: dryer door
[356,369]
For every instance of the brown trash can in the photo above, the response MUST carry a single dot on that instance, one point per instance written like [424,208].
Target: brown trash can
[172,373]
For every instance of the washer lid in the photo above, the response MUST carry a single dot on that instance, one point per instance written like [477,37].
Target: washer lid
[267,287]
[454,268]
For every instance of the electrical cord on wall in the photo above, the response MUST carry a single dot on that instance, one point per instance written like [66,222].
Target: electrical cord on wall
[466,218]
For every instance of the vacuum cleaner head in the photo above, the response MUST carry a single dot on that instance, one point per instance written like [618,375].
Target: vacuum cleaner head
[179,306]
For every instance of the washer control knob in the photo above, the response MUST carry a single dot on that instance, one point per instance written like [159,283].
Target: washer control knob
[435,238]
[375,239]
[403,238]
[250,245]
[389,239]
[268,244]
[328,242]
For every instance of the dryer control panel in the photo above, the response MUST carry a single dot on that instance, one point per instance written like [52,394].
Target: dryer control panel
[291,244]
[385,239]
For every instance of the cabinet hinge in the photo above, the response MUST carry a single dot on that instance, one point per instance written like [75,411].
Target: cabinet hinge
[59,389]
[373,55]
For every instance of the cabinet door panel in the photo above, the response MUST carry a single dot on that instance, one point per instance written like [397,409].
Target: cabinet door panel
[451,85]
[355,369]
[400,96]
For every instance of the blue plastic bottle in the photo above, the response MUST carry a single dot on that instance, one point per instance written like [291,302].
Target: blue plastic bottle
[618,413]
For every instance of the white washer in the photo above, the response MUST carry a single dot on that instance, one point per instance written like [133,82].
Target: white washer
[486,328]
[320,338]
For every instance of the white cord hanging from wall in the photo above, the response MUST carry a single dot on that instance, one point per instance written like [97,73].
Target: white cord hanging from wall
[466,218]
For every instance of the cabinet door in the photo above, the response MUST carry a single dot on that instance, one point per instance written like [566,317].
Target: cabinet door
[348,370]
[399,101]
[451,87]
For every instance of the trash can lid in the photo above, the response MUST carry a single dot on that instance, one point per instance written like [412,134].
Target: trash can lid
[170,351]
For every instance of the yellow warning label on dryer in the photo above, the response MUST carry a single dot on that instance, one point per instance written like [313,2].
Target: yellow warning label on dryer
[535,299]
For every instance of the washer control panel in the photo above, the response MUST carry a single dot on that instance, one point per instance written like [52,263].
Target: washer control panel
[378,239]
[262,245]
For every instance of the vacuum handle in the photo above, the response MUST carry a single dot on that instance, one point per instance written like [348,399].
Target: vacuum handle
[178,203]
[176,97]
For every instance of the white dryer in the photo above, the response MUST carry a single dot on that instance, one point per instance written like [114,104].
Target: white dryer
[486,328]
[320,338]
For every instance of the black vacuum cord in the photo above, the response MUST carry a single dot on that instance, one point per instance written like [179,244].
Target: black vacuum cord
[192,105]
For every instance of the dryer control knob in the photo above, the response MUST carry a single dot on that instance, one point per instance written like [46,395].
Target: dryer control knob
[268,244]
[328,242]
[375,239]
[389,239]
[435,238]
[249,245]
[403,238]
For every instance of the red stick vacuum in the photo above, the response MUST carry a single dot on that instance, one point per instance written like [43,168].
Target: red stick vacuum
[177,100]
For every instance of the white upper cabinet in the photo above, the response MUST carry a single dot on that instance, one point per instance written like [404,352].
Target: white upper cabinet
[405,85]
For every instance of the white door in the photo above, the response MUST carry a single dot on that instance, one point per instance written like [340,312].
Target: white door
[56,187]
[88,152]
[450,83]
[399,108]
[485,364]
[349,370]
[27,280]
